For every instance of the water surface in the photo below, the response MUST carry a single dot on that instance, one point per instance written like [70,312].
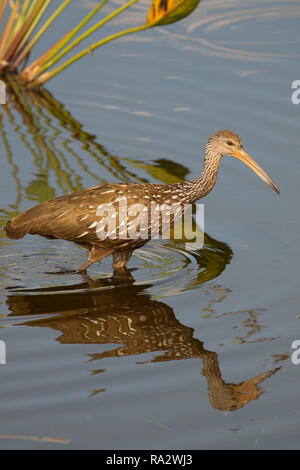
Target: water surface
[192,348]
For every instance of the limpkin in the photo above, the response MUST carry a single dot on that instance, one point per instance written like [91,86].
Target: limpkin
[75,216]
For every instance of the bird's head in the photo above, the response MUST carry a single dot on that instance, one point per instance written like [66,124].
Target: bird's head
[229,143]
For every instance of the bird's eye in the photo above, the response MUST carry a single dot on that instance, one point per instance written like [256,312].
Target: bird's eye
[229,142]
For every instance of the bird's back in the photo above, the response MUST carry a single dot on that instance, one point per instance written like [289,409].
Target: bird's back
[58,217]
[76,216]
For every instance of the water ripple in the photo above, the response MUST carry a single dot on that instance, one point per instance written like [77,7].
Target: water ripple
[167,265]
[215,28]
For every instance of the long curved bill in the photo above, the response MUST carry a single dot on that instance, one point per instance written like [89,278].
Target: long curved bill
[242,155]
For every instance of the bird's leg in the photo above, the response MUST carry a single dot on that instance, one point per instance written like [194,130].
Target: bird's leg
[121,258]
[86,278]
[122,277]
[96,254]
[84,267]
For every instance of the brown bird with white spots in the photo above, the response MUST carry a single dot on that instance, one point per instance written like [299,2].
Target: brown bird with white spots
[76,217]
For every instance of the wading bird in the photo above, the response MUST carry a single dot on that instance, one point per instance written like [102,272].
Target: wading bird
[76,217]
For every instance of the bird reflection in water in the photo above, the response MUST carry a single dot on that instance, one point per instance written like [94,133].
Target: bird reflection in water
[116,310]
[110,310]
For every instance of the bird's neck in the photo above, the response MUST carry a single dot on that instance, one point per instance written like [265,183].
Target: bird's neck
[201,186]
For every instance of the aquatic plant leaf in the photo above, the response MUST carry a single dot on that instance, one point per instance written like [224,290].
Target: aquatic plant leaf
[169,11]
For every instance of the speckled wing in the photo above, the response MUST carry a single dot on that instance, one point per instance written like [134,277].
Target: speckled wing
[79,216]
[58,218]
[74,217]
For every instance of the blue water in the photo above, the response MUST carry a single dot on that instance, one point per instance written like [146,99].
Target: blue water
[194,351]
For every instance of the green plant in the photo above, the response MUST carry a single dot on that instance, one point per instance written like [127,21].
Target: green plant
[22,27]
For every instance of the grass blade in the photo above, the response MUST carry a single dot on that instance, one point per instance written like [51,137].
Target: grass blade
[2,9]
[18,37]
[7,30]
[28,71]
[42,30]
[60,44]
[40,80]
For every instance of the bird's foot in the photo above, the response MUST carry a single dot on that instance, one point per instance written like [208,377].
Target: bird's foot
[123,275]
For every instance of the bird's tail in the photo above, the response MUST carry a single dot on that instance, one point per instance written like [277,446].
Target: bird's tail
[33,220]
[15,228]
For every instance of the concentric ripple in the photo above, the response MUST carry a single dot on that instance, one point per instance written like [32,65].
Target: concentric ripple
[237,30]
[234,29]
[168,266]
